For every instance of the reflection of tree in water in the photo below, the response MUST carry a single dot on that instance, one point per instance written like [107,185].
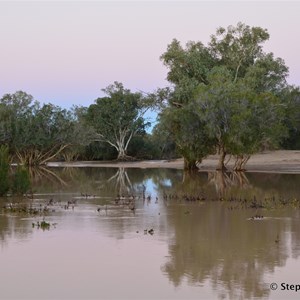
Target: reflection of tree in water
[226,180]
[217,243]
[92,180]
[162,176]
[280,188]
[11,227]
[211,242]
[42,174]
[295,235]
[132,180]
[70,180]
[120,181]
[214,185]
[4,225]
[211,185]
[221,245]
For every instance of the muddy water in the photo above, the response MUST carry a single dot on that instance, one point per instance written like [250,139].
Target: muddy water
[209,240]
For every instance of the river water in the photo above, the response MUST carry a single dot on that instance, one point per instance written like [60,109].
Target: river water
[151,234]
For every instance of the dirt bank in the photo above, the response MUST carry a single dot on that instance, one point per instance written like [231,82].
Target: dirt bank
[281,161]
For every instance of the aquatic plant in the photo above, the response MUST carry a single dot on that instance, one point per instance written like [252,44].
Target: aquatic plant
[22,208]
[43,225]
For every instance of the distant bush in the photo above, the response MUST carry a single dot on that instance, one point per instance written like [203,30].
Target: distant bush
[99,151]
[4,169]
[21,181]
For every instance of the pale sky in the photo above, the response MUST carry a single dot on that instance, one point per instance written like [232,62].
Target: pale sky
[65,52]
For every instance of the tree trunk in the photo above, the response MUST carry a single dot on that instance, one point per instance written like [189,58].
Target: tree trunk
[241,161]
[121,154]
[190,165]
[238,163]
[221,165]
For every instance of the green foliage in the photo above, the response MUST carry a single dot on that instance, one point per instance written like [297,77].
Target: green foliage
[238,47]
[21,181]
[226,96]
[188,132]
[4,170]
[238,118]
[164,141]
[99,151]
[38,133]
[267,74]
[144,147]
[117,117]
[292,119]
[187,69]
[191,63]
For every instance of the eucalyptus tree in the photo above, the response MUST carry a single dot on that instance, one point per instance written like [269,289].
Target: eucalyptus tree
[292,121]
[187,69]
[193,146]
[256,75]
[14,109]
[191,63]
[240,120]
[4,170]
[48,132]
[221,82]
[36,134]
[118,117]
[164,141]
[238,47]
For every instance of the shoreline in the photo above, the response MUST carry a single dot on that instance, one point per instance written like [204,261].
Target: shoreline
[279,161]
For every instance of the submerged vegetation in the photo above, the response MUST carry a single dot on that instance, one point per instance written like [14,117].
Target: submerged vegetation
[43,225]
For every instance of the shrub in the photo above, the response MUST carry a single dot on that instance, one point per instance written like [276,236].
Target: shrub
[21,181]
[4,169]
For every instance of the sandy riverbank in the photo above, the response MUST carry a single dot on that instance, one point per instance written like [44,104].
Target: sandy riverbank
[281,161]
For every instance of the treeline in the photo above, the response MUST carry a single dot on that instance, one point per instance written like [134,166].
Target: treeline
[228,97]
[111,128]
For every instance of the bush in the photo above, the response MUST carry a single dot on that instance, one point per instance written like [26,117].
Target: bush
[4,169]
[21,181]
[99,151]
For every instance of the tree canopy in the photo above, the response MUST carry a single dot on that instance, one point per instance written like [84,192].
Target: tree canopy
[233,87]
[118,117]
[37,133]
